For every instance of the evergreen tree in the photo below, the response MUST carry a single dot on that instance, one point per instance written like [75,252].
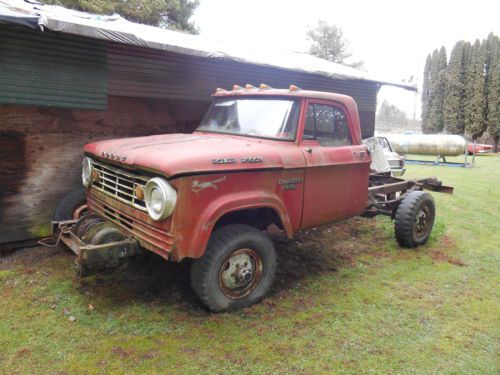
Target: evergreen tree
[475,123]
[469,82]
[390,114]
[329,43]
[171,14]
[426,93]
[493,88]
[437,91]
[465,95]
[454,96]
[431,79]
[468,58]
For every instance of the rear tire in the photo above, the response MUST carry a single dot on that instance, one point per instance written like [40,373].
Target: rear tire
[414,219]
[237,269]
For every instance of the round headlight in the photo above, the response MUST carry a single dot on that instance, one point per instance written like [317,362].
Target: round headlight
[160,198]
[87,172]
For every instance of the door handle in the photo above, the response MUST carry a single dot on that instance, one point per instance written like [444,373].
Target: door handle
[309,150]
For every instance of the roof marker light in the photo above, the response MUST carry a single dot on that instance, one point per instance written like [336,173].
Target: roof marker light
[218,90]
[263,86]
[249,87]
[294,88]
[236,87]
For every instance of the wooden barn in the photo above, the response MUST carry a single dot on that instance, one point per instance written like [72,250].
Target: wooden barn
[68,78]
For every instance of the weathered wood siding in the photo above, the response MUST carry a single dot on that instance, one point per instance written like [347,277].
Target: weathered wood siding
[41,152]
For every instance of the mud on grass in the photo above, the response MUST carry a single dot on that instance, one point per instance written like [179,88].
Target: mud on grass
[152,280]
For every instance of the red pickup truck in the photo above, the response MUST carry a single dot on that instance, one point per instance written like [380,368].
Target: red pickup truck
[261,156]
[479,148]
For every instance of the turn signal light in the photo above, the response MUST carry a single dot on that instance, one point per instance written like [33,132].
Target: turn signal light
[139,191]
[95,175]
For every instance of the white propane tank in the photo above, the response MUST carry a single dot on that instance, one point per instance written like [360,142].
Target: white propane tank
[428,144]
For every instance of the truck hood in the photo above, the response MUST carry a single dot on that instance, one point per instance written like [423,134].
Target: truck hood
[174,154]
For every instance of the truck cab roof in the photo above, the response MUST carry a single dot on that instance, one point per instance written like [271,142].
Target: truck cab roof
[291,93]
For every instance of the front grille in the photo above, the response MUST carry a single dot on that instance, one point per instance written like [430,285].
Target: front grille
[119,184]
[149,236]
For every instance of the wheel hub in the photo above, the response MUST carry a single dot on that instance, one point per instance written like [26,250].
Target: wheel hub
[421,221]
[240,273]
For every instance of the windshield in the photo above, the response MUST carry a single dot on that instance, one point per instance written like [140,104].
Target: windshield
[267,118]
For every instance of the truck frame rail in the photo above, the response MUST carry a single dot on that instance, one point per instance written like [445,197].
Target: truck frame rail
[385,192]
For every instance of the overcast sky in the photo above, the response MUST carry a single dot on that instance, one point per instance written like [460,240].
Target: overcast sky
[392,37]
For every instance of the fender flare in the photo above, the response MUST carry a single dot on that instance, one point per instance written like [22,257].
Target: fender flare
[196,245]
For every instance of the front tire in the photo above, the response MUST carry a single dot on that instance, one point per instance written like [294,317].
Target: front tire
[237,269]
[414,219]
[72,206]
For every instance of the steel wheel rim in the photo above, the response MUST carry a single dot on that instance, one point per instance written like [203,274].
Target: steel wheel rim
[422,222]
[240,273]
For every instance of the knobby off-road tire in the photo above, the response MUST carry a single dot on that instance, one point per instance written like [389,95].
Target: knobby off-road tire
[237,269]
[414,219]
[69,204]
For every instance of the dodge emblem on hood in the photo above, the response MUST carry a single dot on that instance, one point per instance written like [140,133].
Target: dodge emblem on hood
[113,156]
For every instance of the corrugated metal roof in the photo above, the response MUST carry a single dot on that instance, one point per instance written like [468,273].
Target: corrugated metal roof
[116,29]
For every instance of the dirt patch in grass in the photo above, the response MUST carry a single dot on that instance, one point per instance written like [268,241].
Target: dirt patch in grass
[122,353]
[325,249]
[439,256]
[152,281]
[442,255]
[31,257]
[23,352]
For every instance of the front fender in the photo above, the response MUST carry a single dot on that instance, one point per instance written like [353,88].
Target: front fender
[193,239]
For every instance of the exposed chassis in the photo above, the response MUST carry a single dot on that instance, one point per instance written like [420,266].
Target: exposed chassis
[385,192]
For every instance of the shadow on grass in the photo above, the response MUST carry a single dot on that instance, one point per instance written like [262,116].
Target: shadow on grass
[150,280]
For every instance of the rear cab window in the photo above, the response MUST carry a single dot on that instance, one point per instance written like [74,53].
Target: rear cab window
[328,125]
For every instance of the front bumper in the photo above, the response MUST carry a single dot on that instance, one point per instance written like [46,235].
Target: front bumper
[91,258]
[398,171]
[134,222]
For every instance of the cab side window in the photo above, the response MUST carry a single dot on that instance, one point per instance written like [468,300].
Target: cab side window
[328,125]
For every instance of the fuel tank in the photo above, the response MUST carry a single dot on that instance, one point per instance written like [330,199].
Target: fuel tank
[428,144]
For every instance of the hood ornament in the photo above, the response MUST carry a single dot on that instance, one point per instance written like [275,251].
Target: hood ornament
[199,186]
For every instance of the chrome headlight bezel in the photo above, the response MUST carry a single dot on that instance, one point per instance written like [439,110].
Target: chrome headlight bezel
[87,172]
[160,188]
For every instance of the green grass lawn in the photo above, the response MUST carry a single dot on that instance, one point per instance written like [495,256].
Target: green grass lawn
[346,300]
